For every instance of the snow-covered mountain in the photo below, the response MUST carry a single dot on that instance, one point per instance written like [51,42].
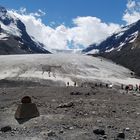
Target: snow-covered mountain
[122,47]
[14,38]
[126,35]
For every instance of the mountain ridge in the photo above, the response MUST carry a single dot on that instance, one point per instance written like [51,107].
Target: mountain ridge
[115,40]
[122,47]
[16,39]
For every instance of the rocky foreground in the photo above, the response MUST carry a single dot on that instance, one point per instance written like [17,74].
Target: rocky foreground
[71,113]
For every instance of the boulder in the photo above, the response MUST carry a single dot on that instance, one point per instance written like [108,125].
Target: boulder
[26,110]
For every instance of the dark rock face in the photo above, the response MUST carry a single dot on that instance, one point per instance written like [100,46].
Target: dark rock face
[3,10]
[4,18]
[17,44]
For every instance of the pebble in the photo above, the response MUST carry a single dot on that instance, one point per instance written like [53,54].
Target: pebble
[109,126]
[65,105]
[114,111]
[127,111]
[85,114]
[61,131]
[24,128]
[15,129]
[99,132]
[35,122]
[6,129]
[48,133]
[99,121]
[87,94]
[43,133]
[71,128]
[121,135]
[127,129]
[53,100]
[51,133]
[93,112]
[12,133]
[138,113]
[75,93]
[105,136]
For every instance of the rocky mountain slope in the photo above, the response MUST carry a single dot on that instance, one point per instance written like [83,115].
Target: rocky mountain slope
[14,38]
[122,47]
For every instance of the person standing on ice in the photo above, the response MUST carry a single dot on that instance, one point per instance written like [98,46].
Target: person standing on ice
[49,73]
[139,87]
[127,88]
[136,88]
[75,84]
[0,28]
[68,84]
[122,86]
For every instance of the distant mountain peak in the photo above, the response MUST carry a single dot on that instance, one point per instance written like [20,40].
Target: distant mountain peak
[3,10]
[122,47]
[14,37]
[118,40]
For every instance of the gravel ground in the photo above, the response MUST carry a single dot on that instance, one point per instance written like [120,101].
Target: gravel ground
[71,113]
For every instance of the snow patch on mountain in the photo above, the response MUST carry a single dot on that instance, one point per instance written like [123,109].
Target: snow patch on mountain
[130,39]
[110,50]
[11,29]
[133,37]
[126,35]
[119,35]
[3,36]
[94,51]
[120,46]
[8,22]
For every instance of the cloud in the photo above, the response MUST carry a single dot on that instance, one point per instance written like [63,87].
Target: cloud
[23,11]
[131,4]
[132,13]
[90,30]
[52,38]
[41,12]
[86,30]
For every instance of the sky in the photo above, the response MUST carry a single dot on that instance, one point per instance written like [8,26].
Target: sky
[63,11]
[64,24]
